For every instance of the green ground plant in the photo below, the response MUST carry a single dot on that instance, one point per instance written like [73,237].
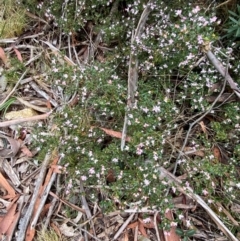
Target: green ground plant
[171,94]
[233,26]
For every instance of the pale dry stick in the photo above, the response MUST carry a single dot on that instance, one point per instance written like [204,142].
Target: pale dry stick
[34,58]
[15,87]
[13,40]
[21,201]
[24,81]
[69,47]
[68,203]
[42,201]
[76,56]
[26,218]
[197,120]
[86,207]
[156,226]
[9,171]
[52,206]
[136,233]
[189,192]
[223,71]
[125,224]
[57,53]
[22,46]
[43,93]
[133,70]
[18,121]
[34,173]
[34,107]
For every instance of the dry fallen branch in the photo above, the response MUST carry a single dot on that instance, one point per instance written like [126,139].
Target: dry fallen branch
[133,69]
[222,70]
[120,231]
[18,121]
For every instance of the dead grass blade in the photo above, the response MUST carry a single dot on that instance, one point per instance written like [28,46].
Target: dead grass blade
[41,199]
[57,53]
[34,107]
[68,203]
[229,216]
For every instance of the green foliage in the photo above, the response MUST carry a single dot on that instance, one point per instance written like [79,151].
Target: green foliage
[221,134]
[233,26]
[185,234]
[171,93]
[4,107]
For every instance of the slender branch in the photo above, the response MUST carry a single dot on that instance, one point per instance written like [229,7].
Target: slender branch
[133,69]
[18,121]
[222,70]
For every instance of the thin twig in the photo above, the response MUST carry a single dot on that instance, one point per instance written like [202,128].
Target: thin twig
[52,205]
[42,201]
[18,121]
[15,87]
[34,107]
[119,232]
[156,226]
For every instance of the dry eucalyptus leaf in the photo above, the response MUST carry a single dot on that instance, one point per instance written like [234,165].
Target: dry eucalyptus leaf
[10,147]
[25,113]
[67,230]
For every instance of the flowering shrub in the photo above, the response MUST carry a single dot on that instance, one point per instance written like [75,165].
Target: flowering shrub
[174,81]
